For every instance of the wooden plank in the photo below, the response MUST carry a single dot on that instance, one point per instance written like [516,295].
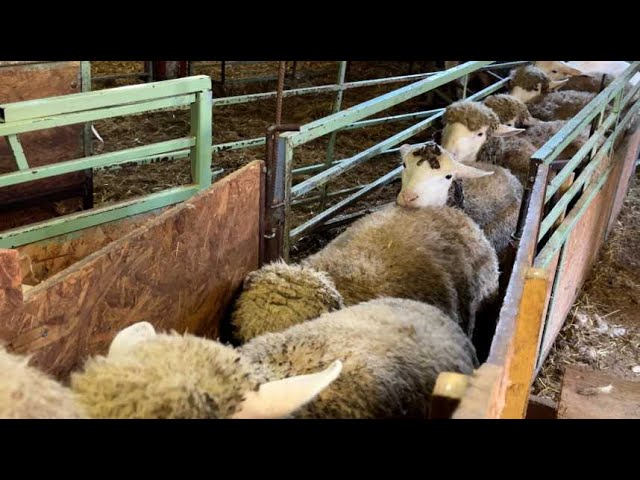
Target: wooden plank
[631,147]
[447,393]
[178,271]
[583,396]
[524,347]
[483,398]
[53,255]
[540,408]
[10,283]
[21,81]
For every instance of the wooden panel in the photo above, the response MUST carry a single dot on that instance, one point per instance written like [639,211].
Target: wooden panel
[524,345]
[10,282]
[540,408]
[582,396]
[53,255]
[629,149]
[178,271]
[27,81]
[447,392]
[483,398]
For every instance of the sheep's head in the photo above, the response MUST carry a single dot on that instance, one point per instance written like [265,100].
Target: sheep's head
[428,175]
[468,125]
[529,82]
[278,296]
[511,111]
[557,70]
[183,376]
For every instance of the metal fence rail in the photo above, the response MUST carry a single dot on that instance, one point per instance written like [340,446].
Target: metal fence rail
[28,116]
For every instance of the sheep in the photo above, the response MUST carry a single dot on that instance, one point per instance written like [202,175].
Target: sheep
[514,113]
[378,359]
[473,133]
[558,70]
[492,201]
[435,254]
[28,393]
[532,86]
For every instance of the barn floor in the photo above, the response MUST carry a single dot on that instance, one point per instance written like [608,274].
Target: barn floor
[239,122]
[603,330]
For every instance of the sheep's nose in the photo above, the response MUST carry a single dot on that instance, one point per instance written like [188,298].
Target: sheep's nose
[406,198]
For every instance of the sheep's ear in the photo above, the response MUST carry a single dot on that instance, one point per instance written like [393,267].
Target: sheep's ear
[569,70]
[405,149]
[506,131]
[280,398]
[466,171]
[131,336]
[553,84]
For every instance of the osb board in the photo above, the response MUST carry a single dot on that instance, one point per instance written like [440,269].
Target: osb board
[178,271]
[10,283]
[53,255]
[629,150]
[582,396]
[26,82]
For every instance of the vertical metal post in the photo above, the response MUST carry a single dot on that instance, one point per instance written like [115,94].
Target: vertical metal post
[282,68]
[148,69]
[201,113]
[337,105]
[85,86]
[465,81]
[277,196]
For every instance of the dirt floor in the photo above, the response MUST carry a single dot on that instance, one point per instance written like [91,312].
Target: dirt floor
[603,329]
[239,122]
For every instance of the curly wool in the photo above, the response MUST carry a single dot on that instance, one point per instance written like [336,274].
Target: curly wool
[170,376]
[560,105]
[473,115]
[591,82]
[392,352]
[493,202]
[539,133]
[437,255]
[28,393]
[508,107]
[277,295]
[528,78]
[513,153]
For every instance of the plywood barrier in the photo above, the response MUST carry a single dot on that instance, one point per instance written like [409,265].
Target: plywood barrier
[178,271]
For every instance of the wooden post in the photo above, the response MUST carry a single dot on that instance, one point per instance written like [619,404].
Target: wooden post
[524,346]
[483,397]
[447,393]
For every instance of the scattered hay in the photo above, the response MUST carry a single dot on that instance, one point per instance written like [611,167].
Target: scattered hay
[603,331]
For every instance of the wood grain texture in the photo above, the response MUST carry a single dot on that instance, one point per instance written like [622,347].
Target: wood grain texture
[523,352]
[53,255]
[483,397]
[581,397]
[27,81]
[178,271]
[10,283]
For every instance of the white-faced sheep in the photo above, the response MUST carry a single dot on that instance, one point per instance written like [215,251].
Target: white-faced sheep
[435,254]
[513,112]
[473,133]
[532,86]
[492,201]
[558,70]
[378,359]
[28,393]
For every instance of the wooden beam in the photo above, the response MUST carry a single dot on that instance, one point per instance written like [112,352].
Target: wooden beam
[179,271]
[588,394]
[482,398]
[447,393]
[524,345]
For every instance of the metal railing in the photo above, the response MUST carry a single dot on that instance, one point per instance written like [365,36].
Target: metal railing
[29,116]
[351,118]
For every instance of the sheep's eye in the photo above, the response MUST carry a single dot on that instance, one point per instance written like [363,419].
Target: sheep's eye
[404,164]
[554,71]
[480,134]
[448,177]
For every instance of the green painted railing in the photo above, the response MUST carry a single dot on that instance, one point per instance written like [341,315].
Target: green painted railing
[29,116]
[608,116]
[355,117]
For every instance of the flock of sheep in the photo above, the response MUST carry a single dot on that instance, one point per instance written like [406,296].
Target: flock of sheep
[362,328]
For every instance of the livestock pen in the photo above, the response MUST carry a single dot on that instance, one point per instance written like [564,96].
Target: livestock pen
[101,269]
